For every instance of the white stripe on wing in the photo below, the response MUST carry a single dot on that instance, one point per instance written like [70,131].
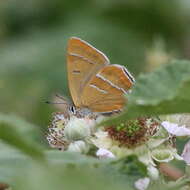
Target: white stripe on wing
[110,83]
[97,88]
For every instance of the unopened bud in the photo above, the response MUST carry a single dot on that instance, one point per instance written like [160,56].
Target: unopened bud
[78,146]
[77,129]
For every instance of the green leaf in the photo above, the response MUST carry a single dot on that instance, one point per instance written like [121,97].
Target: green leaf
[12,162]
[164,91]
[70,177]
[54,156]
[14,131]
[27,129]
[64,170]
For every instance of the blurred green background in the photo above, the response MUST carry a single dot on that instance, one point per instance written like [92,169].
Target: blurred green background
[33,35]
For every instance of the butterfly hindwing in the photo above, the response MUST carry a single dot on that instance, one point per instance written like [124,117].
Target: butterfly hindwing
[105,91]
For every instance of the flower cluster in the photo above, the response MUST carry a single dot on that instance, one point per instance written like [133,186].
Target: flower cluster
[151,140]
[144,137]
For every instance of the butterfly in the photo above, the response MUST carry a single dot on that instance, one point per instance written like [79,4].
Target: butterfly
[95,84]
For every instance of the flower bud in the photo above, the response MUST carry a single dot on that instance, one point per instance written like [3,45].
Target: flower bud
[78,146]
[162,155]
[77,129]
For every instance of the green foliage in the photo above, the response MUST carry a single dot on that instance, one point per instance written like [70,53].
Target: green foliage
[33,38]
[23,127]
[17,137]
[67,176]
[131,166]
[21,154]
[150,18]
[51,169]
[164,91]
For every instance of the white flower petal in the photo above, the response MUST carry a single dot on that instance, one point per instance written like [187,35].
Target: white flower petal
[104,153]
[186,153]
[180,119]
[142,183]
[178,157]
[102,140]
[174,129]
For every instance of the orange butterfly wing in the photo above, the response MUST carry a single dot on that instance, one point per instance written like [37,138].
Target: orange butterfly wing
[83,62]
[105,91]
[93,83]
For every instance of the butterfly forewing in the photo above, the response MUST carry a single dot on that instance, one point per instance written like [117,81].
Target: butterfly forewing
[83,62]
[105,91]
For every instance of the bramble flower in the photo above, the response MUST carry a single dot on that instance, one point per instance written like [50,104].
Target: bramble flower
[126,139]
[130,134]
[149,139]
[71,134]
[143,137]
[179,125]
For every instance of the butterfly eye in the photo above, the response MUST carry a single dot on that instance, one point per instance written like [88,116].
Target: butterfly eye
[72,109]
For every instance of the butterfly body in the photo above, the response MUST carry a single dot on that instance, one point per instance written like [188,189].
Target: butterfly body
[82,112]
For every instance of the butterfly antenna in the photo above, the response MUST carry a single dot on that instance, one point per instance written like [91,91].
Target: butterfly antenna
[61,97]
[48,102]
